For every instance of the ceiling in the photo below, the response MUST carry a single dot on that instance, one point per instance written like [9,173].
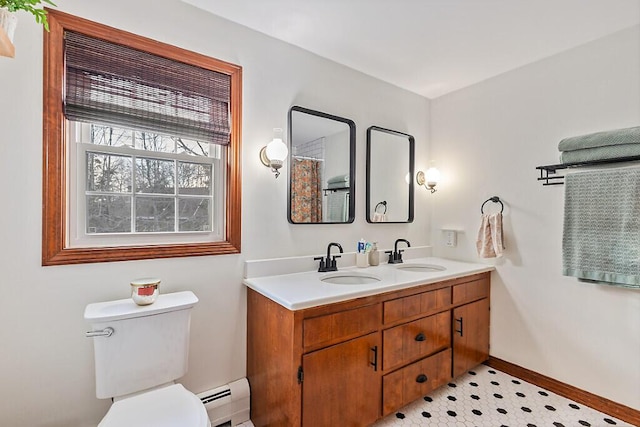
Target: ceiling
[431,47]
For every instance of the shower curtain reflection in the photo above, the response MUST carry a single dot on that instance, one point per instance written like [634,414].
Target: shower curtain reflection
[306,191]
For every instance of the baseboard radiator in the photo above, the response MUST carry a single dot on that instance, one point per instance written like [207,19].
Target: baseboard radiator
[228,404]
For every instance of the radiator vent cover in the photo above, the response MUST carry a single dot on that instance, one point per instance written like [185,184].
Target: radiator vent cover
[228,403]
[225,391]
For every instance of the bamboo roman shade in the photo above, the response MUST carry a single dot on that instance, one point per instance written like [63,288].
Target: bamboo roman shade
[120,86]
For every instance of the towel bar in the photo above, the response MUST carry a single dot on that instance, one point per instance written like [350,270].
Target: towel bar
[383,203]
[547,170]
[494,199]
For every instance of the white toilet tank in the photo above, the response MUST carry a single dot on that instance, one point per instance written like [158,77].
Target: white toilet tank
[149,345]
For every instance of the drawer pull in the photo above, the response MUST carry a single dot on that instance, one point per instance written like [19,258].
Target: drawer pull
[459,330]
[421,378]
[420,337]
[374,349]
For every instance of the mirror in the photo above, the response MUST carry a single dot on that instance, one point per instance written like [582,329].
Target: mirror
[321,168]
[390,163]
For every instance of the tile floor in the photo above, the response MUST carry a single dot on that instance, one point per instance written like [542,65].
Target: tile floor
[485,397]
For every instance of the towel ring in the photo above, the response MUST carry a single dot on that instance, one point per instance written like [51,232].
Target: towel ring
[494,199]
[383,203]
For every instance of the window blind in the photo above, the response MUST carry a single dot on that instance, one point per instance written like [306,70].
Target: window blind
[120,86]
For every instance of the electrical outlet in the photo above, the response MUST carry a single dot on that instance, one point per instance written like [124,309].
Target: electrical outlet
[450,238]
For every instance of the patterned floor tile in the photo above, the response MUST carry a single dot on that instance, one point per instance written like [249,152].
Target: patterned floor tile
[485,397]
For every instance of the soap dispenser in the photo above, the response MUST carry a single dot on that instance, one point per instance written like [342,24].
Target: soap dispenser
[374,255]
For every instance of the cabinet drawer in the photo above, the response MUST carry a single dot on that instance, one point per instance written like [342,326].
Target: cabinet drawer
[414,305]
[471,291]
[414,340]
[416,380]
[336,327]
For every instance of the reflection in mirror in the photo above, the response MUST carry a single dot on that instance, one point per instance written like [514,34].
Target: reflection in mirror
[390,159]
[321,168]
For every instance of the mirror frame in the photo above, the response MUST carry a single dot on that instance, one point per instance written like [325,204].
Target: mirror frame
[411,174]
[352,162]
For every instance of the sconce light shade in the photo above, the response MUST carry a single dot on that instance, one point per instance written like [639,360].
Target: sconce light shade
[433,177]
[274,153]
[429,180]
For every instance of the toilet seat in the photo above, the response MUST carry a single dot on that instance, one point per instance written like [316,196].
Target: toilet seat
[171,406]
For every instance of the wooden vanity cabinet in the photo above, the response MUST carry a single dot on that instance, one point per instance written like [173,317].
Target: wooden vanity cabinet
[341,385]
[313,367]
[340,367]
[470,336]
[417,350]
[470,326]
[350,363]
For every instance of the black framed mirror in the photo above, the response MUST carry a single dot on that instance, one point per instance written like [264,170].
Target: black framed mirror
[390,170]
[321,168]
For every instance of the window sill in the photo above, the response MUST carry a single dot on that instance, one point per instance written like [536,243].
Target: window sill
[129,253]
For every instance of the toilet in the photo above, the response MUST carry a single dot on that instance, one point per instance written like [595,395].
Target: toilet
[139,352]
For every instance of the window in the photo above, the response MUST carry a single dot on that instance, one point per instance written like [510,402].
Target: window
[133,186]
[142,154]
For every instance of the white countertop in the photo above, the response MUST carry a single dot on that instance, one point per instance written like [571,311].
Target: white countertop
[301,290]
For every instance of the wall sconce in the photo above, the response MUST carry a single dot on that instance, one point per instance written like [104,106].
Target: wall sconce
[274,153]
[429,179]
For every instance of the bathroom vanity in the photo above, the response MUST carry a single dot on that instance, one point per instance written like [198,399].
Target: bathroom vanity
[341,360]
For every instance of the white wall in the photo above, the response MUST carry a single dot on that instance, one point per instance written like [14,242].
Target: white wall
[336,163]
[336,156]
[487,139]
[46,363]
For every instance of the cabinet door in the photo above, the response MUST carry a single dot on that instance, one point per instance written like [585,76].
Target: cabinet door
[341,384]
[470,336]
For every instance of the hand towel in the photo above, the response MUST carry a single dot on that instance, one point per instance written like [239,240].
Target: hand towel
[337,206]
[601,139]
[379,217]
[601,234]
[489,243]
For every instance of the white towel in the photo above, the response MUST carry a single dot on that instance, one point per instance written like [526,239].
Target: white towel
[489,243]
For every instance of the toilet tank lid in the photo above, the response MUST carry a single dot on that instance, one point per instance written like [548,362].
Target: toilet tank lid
[126,308]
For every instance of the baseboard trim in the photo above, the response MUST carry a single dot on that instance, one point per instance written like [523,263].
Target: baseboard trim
[609,407]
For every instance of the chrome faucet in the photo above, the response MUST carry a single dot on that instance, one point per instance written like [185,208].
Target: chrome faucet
[330,263]
[395,256]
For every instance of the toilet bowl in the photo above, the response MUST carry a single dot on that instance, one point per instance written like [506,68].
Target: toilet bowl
[139,352]
[170,406]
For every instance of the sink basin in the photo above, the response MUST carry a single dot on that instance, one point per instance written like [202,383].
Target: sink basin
[349,278]
[421,268]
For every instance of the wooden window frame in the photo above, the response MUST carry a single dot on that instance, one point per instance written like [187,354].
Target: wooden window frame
[55,250]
